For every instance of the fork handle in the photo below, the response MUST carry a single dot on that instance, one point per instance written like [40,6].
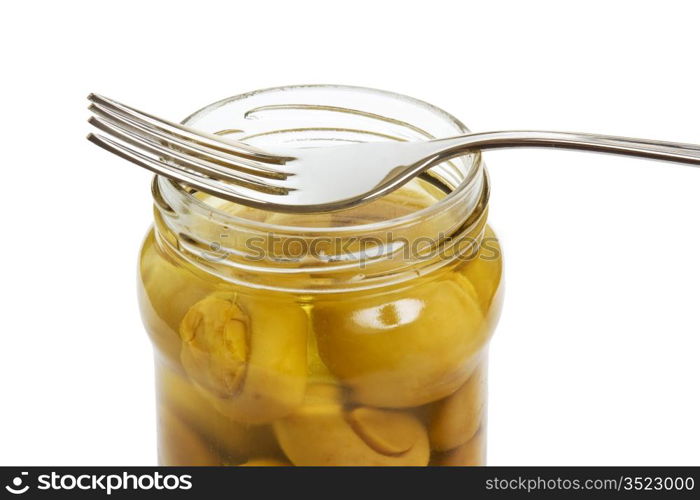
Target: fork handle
[657,150]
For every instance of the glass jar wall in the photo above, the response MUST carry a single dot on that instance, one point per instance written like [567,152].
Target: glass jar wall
[350,338]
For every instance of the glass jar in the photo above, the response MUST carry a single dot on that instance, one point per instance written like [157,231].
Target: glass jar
[356,337]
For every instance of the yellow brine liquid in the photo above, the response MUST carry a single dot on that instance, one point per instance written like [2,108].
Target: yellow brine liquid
[394,375]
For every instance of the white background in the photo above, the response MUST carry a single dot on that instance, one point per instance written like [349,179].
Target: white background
[595,360]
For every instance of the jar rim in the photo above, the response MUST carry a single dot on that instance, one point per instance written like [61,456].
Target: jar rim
[473,169]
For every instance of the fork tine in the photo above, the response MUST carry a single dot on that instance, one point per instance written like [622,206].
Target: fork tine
[234,193]
[185,161]
[204,138]
[238,162]
[223,165]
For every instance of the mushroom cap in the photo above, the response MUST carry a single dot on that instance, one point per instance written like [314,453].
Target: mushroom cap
[456,419]
[322,432]
[402,348]
[233,440]
[180,445]
[249,354]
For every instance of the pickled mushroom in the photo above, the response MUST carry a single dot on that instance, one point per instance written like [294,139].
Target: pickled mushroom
[402,349]
[473,452]
[248,354]
[484,273]
[179,445]
[322,432]
[235,440]
[166,294]
[456,419]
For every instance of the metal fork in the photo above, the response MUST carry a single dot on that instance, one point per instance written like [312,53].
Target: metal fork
[319,179]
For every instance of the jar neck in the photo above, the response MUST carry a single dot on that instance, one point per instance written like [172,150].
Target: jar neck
[318,259]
